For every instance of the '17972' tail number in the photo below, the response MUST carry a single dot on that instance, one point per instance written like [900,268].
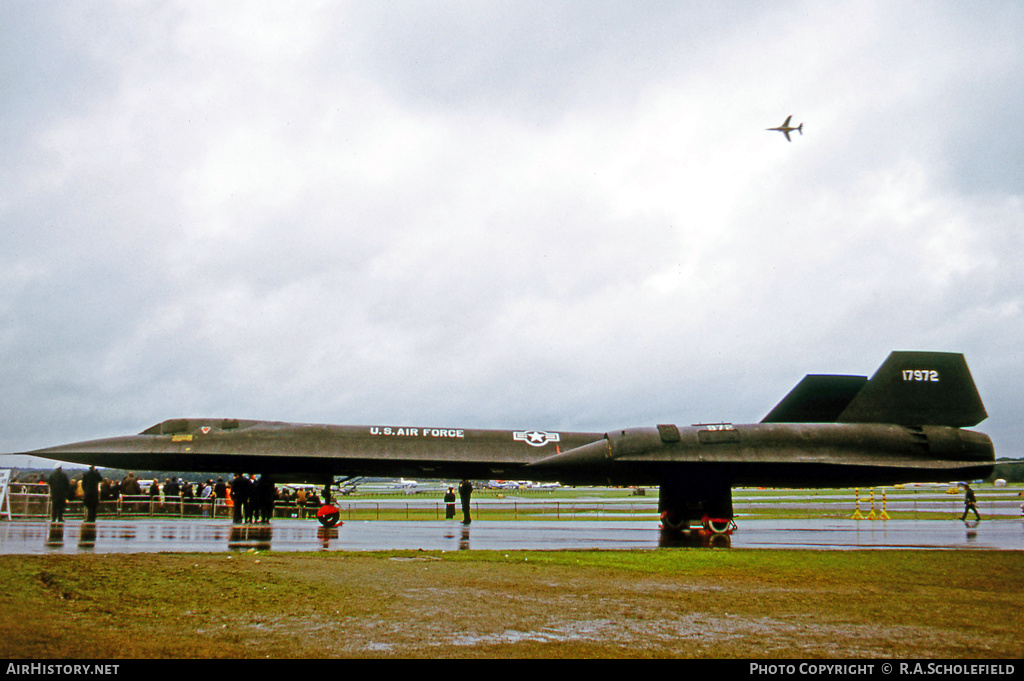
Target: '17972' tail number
[929,375]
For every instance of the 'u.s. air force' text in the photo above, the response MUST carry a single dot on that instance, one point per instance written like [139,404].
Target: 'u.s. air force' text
[418,432]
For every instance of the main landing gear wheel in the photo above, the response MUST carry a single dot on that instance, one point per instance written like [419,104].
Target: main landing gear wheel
[674,524]
[719,525]
[708,526]
[328,515]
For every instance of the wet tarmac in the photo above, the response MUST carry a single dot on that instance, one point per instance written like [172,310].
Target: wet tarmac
[175,535]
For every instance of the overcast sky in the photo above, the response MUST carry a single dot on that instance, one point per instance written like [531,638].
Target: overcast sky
[554,215]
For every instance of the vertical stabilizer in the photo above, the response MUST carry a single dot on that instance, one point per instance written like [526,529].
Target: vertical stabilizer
[919,389]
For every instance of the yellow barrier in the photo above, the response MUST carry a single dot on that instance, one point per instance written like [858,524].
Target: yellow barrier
[857,515]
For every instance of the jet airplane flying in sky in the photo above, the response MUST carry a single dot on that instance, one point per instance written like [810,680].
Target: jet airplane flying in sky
[907,423]
[785,128]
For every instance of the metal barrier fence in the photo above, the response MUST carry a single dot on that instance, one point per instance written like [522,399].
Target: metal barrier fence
[1005,502]
[24,505]
[38,505]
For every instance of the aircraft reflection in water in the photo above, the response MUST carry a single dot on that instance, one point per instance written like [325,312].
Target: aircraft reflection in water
[906,424]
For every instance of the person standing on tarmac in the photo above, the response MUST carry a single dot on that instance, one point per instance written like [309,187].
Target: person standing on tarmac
[91,493]
[264,493]
[449,504]
[59,487]
[465,492]
[239,496]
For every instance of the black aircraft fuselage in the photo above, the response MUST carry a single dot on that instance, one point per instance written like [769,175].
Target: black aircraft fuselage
[906,424]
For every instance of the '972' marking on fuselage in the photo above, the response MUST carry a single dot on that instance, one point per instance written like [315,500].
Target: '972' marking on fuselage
[923,375]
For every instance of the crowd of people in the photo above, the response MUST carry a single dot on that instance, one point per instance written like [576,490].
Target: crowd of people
[252,498]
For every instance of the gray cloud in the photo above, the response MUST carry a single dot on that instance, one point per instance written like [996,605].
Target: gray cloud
[508,214]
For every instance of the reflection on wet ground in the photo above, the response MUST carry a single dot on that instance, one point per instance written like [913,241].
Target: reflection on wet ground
[175,535]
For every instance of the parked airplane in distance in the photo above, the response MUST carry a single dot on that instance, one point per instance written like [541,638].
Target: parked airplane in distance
[785,128]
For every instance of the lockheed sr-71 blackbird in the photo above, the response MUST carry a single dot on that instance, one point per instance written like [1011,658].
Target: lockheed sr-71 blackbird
[906,424]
